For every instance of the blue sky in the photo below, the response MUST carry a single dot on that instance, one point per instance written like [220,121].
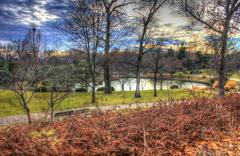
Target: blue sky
[17,16]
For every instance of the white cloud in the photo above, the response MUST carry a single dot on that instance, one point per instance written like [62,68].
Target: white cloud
[4,42]
[37,14]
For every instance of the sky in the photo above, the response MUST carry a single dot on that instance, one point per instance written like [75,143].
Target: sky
[17,16]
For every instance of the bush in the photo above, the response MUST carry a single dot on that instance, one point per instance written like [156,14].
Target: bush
[42,89]
[46,83]
[174,87]
[231,84]
[192,72]
[101,89]
[80,90]
[215,84]
[212,81]
[204,76]
[227,88]
[180,74]
[169,130]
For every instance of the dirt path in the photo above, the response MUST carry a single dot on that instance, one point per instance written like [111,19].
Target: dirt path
[37,116]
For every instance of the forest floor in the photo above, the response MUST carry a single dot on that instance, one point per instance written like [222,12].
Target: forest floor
[203,126]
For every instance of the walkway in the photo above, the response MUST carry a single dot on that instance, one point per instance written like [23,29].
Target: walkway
[38,116]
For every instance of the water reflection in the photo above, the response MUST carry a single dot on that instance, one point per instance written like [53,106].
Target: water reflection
[129,84]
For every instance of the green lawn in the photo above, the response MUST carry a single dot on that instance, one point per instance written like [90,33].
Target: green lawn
[235,75]
[9,103]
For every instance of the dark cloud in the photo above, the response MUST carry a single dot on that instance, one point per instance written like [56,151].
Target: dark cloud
[183,27]
[16,16]
[168,25]
[57,7]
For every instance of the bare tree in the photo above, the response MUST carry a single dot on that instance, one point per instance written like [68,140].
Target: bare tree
[123,63]
[146,11]
[220,17]
[59,83]
[113,12]
[85,23]
[153,62]
[27,73]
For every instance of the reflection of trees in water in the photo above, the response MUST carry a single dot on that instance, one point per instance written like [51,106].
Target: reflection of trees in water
[129,83]
[122,83]
[125,81]
[143,83]
[164,84]
[180,83]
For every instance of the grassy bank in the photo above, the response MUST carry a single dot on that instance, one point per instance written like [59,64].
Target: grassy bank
[9,103]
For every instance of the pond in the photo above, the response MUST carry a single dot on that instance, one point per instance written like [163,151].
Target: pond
[129,84]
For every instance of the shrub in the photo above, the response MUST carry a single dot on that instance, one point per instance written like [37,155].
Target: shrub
[212,81]
[192,72]
[215,84]
[227,88]
[174,87]
[46,83]
[80,90]
[231,84]
[180,74]
[196,88]
[42,89]
[168,130]
[101,89]
[204,76]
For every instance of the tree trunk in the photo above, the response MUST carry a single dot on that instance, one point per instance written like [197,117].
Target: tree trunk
[221,76]
[51,114]
[137,92]
[93,71]
[94,79]
[122,85]
[107,78]
[139,61]
[94,92]
[29,117]
[93,96]
[155,73]
[27,110]
[86,79]
[161,81]
[155,84]
[51,104]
